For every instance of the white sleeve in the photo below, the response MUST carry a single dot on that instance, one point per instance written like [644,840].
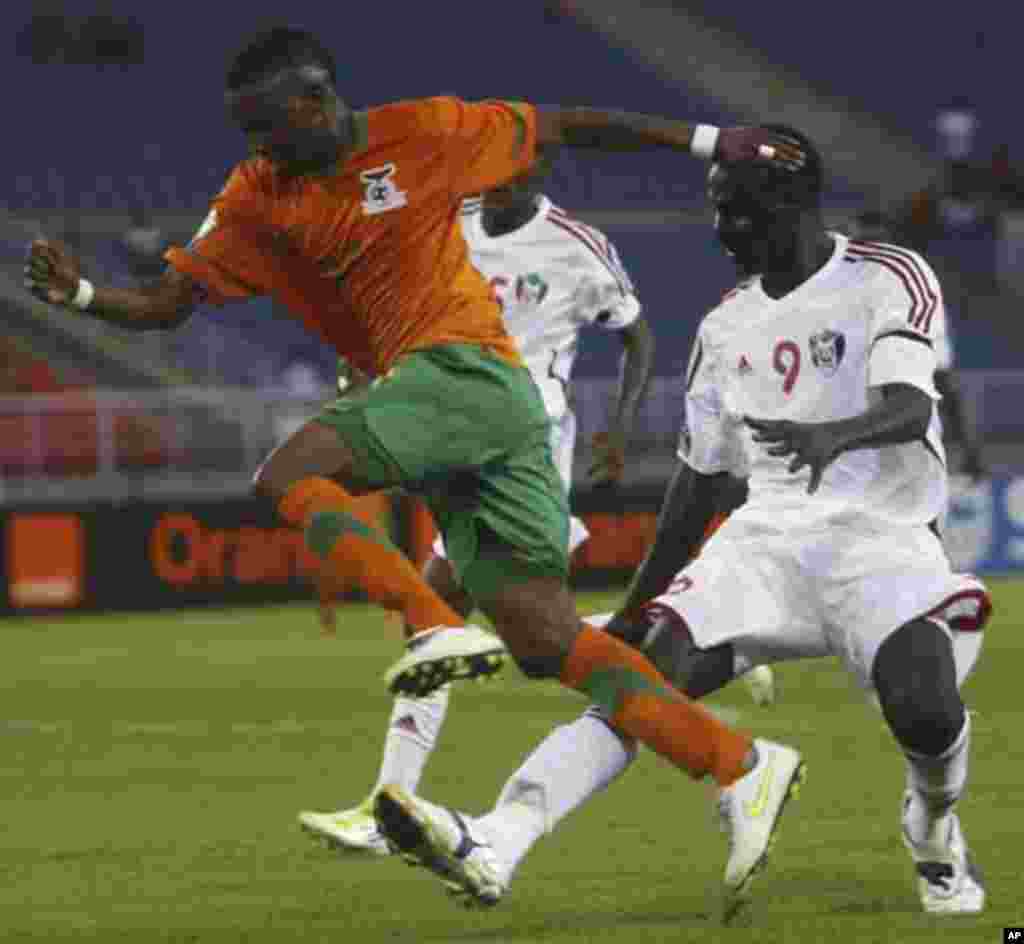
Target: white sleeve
[908,323]
[605,295]
[705,443]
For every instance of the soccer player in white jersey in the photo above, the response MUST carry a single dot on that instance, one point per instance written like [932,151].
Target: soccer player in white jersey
[815,379]
[553,275]
[958,427]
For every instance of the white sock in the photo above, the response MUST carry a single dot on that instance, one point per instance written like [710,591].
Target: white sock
[571,764]
[940,781]
[412,733]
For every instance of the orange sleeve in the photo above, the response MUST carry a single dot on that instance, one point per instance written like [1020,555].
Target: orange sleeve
[487,143]
[229,256]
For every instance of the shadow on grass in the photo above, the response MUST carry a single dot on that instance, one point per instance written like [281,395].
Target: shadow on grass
[578,923]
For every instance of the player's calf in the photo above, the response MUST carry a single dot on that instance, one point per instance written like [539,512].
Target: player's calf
[914,675]
[663,636]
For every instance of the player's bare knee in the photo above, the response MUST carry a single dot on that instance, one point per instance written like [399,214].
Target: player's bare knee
[440,576]
[314,450]
[541,652]
[915,678]
[669,644]
[538,622]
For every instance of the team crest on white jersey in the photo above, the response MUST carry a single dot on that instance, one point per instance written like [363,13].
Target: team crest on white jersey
[827,350]
[531,289]
[382,193]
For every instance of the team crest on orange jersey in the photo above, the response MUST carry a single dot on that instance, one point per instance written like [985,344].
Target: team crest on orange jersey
[382,193]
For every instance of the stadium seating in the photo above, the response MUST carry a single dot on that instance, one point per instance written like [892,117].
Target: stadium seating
[900,62]
[157,136]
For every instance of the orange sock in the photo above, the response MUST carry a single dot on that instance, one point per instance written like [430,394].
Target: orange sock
[641,703]
[355,552]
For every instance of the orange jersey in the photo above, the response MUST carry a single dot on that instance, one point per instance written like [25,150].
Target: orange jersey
[372,258]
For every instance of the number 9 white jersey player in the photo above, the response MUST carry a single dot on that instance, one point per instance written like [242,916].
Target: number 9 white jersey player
[816,380]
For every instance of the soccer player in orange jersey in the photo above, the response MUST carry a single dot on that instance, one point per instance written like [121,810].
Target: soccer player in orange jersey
[350,219]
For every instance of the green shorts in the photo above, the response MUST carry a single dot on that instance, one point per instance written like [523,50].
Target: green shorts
[468,432]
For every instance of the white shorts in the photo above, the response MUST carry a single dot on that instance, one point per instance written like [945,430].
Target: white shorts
[779,594]
[563,444]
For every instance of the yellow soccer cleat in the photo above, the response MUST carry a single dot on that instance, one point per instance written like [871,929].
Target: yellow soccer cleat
[352,830]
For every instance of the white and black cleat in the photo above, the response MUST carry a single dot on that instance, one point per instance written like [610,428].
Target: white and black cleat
[446,654]
[948,879]
[442,841]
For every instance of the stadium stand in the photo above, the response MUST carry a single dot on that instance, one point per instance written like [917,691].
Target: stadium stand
[153,140]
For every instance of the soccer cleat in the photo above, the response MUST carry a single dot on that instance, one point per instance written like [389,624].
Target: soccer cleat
[750,810]
[948,880]
[352,830]
[760,682]
[441,840]
[446,654]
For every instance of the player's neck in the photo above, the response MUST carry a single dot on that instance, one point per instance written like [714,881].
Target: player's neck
[499,221]
[810,255]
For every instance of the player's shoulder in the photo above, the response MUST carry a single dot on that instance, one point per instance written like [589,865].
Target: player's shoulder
[888,266]
[250,182]
[252,173]
[574,229]
[394,122]
[407,118]
[733,303]
[590,244]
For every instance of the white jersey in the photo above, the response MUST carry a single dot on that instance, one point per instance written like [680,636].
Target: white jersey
[552,276]
[872,315]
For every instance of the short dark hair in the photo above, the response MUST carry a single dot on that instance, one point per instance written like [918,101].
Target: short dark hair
[810,178]
[274,49]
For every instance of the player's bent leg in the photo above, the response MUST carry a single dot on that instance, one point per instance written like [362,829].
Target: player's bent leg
[440,577]
[915,677]
[756,779]
[309,477]
[412,733]
[575,762]
[663,636]
[701,670]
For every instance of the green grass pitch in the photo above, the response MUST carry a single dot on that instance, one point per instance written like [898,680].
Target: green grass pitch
[152,767]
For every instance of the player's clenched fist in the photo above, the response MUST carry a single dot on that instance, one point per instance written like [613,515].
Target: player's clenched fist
[51,272]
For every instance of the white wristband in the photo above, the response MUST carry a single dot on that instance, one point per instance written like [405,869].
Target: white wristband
[84,296]
[704,141]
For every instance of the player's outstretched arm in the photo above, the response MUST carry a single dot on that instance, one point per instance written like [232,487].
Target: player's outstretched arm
[52,273]
[690,502]
[629,131]
[634,378]
[902,415]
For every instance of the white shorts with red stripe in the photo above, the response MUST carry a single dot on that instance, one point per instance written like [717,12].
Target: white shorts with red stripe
[787,593]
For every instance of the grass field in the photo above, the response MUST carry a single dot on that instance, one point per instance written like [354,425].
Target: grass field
[152,767]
